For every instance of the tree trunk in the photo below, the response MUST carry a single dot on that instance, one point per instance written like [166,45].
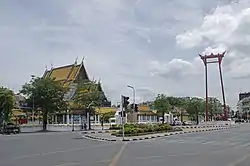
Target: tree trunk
[89,122]
[181,115]
[45,122]
[197,118]
[163,117]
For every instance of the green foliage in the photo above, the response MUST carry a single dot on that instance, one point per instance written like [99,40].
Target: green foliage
[162,105]
[193,106]
[47,94]
[115,127]
[89,95]
[6,103]
[140,129]
[106,116]
[214,106]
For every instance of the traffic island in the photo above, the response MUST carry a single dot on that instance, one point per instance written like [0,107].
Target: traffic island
[109,137]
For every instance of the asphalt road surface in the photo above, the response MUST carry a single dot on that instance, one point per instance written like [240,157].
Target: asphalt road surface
[220,148]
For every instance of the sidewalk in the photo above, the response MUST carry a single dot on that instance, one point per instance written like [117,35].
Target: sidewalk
[108,137]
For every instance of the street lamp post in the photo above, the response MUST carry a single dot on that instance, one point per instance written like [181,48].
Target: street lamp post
[129,86]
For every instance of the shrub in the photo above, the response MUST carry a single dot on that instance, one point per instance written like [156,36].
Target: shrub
[115,127]
[135,129]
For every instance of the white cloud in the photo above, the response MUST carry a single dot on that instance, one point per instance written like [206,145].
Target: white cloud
[175,69]
[119,39]
[225,29]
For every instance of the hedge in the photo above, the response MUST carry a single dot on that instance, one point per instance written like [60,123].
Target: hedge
[142,129]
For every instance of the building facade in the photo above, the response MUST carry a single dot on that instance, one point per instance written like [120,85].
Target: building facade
[243,106]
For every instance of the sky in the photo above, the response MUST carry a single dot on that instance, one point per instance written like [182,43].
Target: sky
[152,45]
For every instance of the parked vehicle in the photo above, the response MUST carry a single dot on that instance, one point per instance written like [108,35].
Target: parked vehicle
[185,123]
[10,128]
[239,121]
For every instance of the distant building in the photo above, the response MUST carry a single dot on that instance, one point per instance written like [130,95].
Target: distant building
[70,76]
[244,95]
[243,105]
[19,100]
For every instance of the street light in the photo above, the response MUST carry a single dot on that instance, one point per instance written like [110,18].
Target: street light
[129,86]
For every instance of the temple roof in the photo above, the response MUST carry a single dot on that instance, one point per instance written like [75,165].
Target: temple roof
[65,74]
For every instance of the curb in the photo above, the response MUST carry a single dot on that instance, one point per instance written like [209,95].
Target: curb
[158,136]
[97,132]
[194,127]
[182,127]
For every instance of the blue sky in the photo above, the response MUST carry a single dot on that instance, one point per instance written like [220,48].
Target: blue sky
[151,45]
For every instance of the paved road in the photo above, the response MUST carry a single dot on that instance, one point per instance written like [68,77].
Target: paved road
[222,148]
[54,149]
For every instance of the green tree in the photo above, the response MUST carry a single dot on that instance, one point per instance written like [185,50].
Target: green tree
[214,107]
[6,103]
[194,108]
[162,105]
[89,95]
[47,94]
[181,103]
[104,118]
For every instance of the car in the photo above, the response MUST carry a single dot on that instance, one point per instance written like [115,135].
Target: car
[177,123]
[10,128]
[237,121]
[185,123]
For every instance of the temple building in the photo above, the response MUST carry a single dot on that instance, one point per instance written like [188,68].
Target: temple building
[70,76]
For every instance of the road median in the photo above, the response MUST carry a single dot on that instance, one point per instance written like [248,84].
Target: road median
[106,136]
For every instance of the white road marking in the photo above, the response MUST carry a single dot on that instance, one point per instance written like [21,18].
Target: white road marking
[209,142]
[148,157]
[240,160]
[67,164]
